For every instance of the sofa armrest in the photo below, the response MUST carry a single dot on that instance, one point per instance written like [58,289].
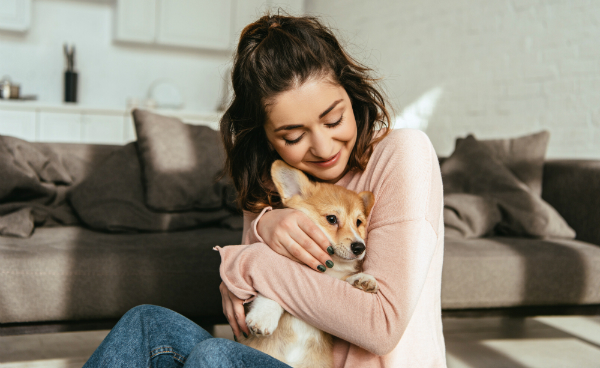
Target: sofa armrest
[572,187]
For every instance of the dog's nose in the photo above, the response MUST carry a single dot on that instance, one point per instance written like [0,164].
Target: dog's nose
[357,248]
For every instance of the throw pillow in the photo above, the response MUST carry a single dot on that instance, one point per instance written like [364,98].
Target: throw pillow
[524,156]
[472,168]
[181,163]
[112,199]
[470,216]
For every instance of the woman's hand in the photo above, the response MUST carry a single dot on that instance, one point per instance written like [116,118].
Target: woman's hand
[233,309]
[291,233]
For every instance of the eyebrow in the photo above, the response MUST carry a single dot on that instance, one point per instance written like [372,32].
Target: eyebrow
[290,127]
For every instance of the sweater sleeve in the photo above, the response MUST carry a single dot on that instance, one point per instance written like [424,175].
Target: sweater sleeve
[401,242]
[249,233]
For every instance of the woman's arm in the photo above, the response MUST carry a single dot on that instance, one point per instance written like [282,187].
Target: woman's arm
[401,243]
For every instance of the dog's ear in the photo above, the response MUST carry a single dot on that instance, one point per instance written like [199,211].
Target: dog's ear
[368,200]
[289,181]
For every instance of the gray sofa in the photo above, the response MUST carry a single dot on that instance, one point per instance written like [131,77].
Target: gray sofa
[65,275]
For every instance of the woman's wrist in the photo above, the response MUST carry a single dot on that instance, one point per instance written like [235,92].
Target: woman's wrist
[256,222]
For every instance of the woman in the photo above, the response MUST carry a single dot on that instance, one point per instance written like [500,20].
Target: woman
[299,97]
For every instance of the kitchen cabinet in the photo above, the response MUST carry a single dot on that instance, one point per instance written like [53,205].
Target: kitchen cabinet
[60,127]
[15,15]
[20,124]
[34,121]
[204,24]
[195,23]
[102,129]
[135,20]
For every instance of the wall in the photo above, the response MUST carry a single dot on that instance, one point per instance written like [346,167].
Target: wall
[495,68]
[109,72]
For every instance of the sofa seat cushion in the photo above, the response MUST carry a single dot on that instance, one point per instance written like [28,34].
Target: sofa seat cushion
[507,271]
[71,273]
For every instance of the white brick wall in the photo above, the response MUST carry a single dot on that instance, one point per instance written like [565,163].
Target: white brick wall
[505,67]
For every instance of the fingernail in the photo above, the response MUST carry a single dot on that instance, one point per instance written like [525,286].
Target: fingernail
[235,338]
[321,268]
[245,335]
[330,250]
[329,264]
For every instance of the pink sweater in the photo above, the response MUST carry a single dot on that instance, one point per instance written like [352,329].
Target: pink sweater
[400,326]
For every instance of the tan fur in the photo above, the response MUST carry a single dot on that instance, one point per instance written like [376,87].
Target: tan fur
[317,201]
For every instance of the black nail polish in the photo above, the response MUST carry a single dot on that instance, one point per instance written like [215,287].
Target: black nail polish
[235,338]
[329,264]
[245,335]
[330,250]
[321,268]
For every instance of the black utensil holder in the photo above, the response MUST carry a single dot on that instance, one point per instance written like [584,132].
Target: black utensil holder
[70,86]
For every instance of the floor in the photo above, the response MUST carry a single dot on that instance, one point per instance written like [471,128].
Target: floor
[547,342]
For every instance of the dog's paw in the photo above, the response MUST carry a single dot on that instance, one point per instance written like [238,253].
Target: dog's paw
[264,315]
[262,324]
[363,282]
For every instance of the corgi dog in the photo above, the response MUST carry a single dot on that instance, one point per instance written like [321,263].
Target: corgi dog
[342,215]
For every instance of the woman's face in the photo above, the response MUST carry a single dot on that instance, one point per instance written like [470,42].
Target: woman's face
[312,128]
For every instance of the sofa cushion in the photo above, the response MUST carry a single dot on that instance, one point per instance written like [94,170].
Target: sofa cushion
[508,271]
[71,273]
[181,163]
[473,169]
[524,156]
[33,183]
[112,199]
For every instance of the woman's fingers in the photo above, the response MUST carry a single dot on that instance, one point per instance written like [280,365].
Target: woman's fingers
[228,309]
[293,234]
[298,252]
[310,251]
[239,313]
[314,233]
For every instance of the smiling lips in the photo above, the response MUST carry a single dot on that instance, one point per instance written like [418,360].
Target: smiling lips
[328,162]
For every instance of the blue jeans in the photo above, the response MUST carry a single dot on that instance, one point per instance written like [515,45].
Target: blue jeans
[150,336]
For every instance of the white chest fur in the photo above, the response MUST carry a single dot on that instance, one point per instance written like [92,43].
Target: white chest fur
[304,332]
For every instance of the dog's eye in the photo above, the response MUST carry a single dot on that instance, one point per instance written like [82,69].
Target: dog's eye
[332,219]
[358,222]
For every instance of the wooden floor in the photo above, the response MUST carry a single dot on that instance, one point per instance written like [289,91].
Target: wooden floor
[572,341]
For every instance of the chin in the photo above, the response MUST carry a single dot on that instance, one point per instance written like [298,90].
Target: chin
[328,174]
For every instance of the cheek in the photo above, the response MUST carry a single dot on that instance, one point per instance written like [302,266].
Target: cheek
[291,154]
[348,132]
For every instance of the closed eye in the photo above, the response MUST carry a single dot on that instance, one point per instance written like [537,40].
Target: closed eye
[289,143]
[332,125]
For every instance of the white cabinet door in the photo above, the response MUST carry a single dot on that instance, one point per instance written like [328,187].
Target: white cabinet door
[195,23]
[15,15]
[20,124]
[135,20]
[102,129]
[60,127]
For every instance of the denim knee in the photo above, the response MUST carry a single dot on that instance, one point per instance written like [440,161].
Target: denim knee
[145,310]
[215,352]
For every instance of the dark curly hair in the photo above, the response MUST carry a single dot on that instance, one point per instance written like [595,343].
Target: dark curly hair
[275,54]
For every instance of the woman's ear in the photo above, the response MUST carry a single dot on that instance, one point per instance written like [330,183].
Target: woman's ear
[289,181]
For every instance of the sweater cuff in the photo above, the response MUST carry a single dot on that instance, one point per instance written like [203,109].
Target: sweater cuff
[254,224]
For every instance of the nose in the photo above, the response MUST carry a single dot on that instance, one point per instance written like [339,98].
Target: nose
[322,146]
[357,248]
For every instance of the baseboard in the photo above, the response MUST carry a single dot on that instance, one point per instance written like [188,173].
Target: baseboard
[525,311]
[25,328]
